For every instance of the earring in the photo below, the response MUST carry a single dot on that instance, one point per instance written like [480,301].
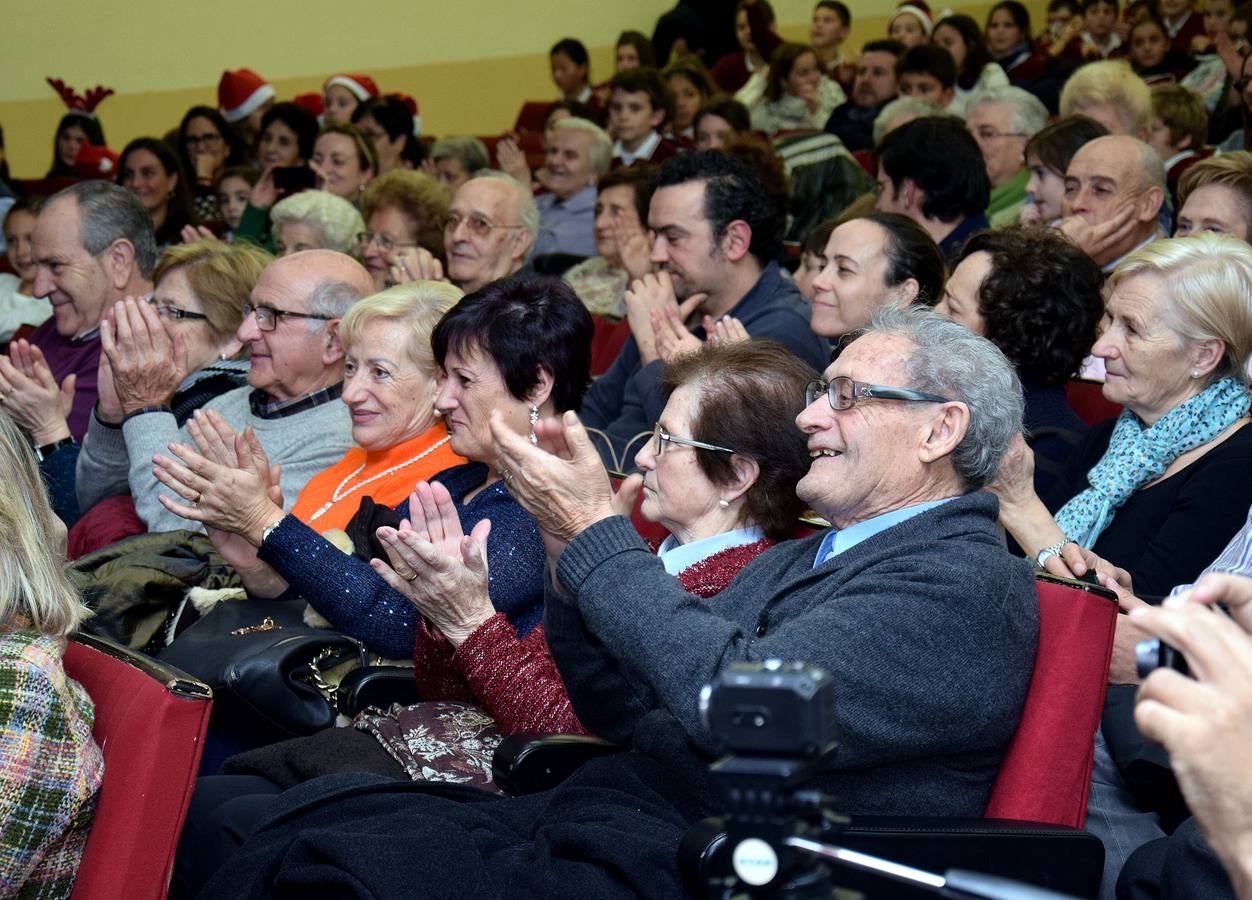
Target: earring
[723,503]
[534,419]
[1195,373]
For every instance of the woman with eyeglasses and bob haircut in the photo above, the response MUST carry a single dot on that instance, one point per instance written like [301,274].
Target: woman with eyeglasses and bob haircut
[197,305]
[719,472]
[404,211]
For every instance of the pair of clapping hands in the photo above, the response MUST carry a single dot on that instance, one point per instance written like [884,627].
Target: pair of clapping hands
[658,322]
[561,482]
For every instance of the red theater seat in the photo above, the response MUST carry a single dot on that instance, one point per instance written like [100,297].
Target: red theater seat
[150,724]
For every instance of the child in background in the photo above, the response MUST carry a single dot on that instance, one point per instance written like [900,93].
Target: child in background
[18,306]
[233,191]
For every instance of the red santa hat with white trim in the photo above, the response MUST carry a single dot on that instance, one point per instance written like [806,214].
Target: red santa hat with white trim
[360,86]
[240,92]
[920,10]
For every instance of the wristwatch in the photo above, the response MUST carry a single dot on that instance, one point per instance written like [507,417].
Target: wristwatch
[1048,552]
[42,453]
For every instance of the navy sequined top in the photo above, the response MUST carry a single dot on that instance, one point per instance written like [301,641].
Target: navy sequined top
[357,601]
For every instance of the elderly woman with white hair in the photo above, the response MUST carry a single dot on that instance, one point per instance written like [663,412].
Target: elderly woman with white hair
[1161,489]
[315,220]
[578,154]
[1002,120]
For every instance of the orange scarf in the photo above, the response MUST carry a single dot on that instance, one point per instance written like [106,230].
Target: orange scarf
[342,486]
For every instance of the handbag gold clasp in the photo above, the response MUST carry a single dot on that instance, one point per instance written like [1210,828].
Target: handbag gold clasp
[267,624]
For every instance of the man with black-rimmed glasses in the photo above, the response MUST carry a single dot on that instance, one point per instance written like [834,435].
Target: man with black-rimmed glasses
[290,328]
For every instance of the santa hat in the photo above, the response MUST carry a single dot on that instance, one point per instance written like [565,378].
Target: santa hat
[411,105]
[918,9]
[96,162]
[360,86]
[241,92]
[311,101]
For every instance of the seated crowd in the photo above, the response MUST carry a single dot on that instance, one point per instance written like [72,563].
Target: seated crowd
[756,349]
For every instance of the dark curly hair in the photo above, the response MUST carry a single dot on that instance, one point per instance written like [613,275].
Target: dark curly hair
[749,395]
[1041,302]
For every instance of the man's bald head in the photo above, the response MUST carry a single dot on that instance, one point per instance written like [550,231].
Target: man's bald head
[333,281]
[1113,176]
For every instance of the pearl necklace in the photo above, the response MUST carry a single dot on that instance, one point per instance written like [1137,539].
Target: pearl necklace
[336,496]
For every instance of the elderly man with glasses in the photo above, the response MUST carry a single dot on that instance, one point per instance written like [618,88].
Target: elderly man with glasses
[927,624]
[291,400]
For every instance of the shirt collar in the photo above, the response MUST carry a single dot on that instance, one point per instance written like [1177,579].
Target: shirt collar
[837,540]
[677,557]
[644,151]
[265,408]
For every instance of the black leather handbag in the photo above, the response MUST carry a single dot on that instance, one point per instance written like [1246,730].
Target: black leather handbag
[262,661]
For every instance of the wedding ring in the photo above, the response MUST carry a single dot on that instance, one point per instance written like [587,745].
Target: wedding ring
[506,475]
[412,577]
[197,499]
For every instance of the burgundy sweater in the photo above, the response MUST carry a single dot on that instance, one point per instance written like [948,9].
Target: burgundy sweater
[79,357]
[515,679]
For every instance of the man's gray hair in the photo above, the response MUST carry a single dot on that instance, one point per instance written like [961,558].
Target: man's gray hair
[108,212]
[331,299]
[469,150]
[600,148]
[953,362]
[899,111]
[527,211]
[1029,115]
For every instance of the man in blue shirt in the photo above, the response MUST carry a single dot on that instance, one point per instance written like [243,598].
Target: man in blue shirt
[578,153]
[718,235]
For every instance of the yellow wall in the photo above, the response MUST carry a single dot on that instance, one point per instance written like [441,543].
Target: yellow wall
[470,63]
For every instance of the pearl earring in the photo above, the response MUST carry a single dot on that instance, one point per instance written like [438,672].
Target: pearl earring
[1195,373]
[723,503]
[534,419]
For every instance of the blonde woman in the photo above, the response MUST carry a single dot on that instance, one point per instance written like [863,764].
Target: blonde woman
[50,768]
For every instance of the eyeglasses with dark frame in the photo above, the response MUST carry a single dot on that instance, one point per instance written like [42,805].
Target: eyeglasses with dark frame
[173,313]
[844,393]
[661,437]
[478,225]
[203,140]
[267,316]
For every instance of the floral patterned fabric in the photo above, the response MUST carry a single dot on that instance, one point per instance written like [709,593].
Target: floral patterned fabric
[437,740]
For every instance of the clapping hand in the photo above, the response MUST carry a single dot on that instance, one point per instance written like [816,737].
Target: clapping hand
[410,264]
[147,365]
[436,566]
[654,292]
[561,482]
[240,499]
[31,396]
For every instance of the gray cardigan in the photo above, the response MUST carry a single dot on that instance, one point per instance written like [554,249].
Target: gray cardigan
[928,628]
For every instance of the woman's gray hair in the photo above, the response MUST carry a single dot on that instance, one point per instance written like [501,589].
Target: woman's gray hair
[955,363]
[336,220]
[1029,116]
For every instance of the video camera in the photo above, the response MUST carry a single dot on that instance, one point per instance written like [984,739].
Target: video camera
[777,721]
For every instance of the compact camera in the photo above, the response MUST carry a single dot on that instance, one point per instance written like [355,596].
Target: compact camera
[1152,654]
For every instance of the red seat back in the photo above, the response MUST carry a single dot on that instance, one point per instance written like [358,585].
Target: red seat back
[150,724]
[1046,772]
[607,340]
[1086,399]
[532,116]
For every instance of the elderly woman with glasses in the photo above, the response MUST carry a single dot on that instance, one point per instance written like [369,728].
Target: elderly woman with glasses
[404,211]
[187,325]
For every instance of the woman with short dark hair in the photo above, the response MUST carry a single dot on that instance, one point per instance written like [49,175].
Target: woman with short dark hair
[1036,296]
